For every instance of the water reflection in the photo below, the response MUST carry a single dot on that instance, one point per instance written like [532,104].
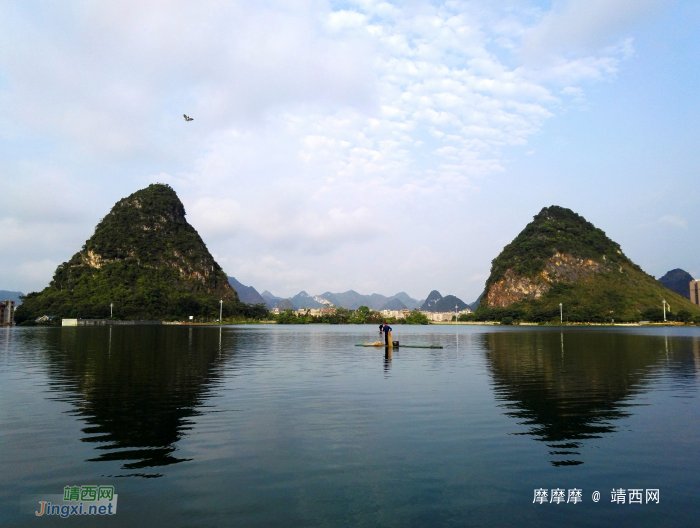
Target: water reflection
[570,387]
[136,389]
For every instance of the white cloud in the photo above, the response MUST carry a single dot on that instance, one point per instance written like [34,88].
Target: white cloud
[673,221]
[315,130]
[584,27]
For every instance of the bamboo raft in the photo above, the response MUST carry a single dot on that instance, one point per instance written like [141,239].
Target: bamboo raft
[380,344]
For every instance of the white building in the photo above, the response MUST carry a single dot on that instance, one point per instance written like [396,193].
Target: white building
[315,312]
[441,317]
[398,314]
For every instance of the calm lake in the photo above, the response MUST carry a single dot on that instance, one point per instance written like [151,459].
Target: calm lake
[291,426]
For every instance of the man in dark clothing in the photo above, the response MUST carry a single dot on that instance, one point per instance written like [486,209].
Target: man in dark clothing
[387,334]
[381,327]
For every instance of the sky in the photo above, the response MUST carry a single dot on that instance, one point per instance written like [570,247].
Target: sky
[374,146]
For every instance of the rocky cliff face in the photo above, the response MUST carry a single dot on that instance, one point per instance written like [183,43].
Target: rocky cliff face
[513,288]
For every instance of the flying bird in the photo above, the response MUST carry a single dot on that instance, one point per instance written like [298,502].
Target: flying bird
[187,118]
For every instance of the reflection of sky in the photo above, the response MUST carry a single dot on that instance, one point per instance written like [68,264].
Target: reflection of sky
[322,130]
[298,419]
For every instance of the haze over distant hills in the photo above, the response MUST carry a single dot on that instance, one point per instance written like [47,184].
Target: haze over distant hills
[678,281]
[394,304]
[6,295]
[270,300]
[246,294]
[437,303]
[353,300]
[349,299]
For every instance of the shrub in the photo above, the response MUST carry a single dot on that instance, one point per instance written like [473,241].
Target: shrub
[684,316]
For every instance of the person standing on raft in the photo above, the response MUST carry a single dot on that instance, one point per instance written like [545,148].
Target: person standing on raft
[387,334]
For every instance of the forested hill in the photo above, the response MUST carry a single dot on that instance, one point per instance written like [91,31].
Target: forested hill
[145,259]
[560,257]
[678,280]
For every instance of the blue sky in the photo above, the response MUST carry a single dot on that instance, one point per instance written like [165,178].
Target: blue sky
[367,145]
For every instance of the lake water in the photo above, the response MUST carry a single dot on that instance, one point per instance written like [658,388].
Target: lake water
[295,426]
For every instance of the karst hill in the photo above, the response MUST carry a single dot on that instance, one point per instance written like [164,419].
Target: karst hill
[561,258]
[145,259]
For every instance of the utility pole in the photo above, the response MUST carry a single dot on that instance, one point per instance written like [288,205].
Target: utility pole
[110,309]
[665,310]
[561,313]
[456,314]
[221,309]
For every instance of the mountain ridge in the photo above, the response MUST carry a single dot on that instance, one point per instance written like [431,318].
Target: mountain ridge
[7,295]
[349,299]
[678,280]
[246,294]
[435,302]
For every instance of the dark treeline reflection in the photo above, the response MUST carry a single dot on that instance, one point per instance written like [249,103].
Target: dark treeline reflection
[572,386]
[136,388]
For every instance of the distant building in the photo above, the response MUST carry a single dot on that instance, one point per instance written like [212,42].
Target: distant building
[7,312]
[315,312]
[695,292]
[398,314]
[439,317]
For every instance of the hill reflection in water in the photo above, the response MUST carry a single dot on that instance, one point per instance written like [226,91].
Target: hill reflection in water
[136,389]
[572,386]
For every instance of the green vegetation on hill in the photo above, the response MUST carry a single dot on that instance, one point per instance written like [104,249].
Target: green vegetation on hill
[554,229]
[613,287]
[622,297]
[145,259]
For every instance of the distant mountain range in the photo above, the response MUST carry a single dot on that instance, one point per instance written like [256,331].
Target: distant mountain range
[6,295]
[678,281]
[352,300]
[270,300]
[437,303]
[394,304]
[473,306]
[246,294]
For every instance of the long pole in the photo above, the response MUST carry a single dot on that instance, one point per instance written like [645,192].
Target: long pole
[110,310]
[561,313]
[221,309]
[456,314]
[664,310]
